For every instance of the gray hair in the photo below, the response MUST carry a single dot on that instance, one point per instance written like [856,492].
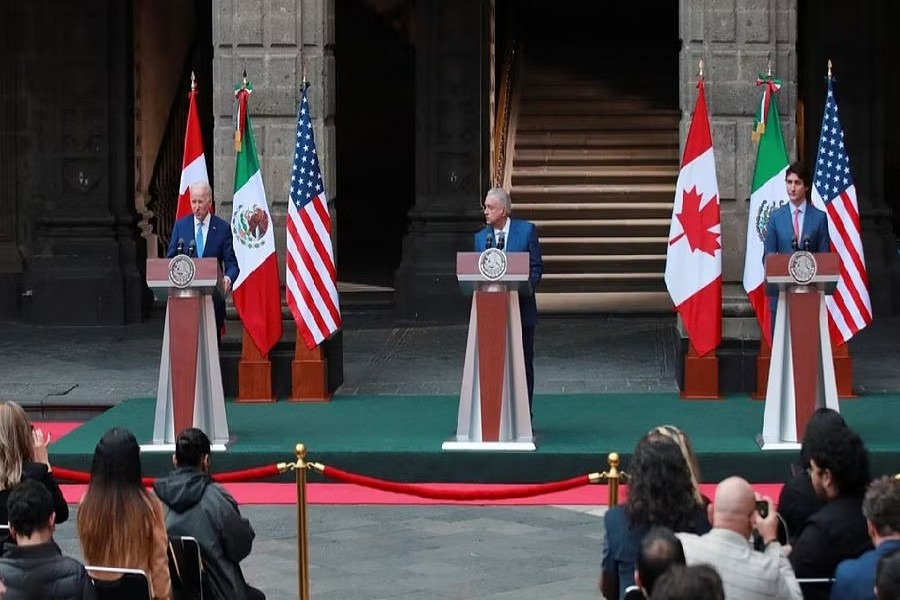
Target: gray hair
[500,194]
[201,186]
[881,505]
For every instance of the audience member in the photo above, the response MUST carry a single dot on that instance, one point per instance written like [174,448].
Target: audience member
[660,493]
[119,523]
[700,582]
[746,573]
[798,500]
[34,567]
[660,550]
[887,577]
[23,455]
[687,450]
[839,471]
[855,578]
[198,507]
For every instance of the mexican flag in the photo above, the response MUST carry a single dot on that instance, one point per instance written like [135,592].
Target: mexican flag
[257,295]
[694,256]
[768,192]
[193,162]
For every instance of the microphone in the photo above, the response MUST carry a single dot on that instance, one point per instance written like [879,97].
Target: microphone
[794,243]
[488,241]
[179,249]
[806,244]
[192,248]
[501,241]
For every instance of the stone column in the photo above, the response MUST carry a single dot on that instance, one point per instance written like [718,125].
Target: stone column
[75,95]
[735,38]
[451,156]
[276,41]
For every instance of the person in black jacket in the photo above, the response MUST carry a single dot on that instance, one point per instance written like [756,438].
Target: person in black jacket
[196,506]
[35,568]
[24,456]
[839,471]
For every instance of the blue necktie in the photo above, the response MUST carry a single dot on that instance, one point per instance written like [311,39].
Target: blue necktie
[199,239]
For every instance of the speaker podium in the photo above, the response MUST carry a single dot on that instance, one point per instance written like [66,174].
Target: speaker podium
[801,372]
[189,393]
[493,400]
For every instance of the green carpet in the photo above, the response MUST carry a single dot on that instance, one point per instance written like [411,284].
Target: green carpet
[399,437]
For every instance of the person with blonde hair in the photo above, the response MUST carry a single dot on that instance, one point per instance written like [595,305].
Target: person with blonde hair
[687,451]
[120,524]
[24,455]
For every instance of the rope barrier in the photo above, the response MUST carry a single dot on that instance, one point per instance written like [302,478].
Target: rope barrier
[252,474]
[423,491]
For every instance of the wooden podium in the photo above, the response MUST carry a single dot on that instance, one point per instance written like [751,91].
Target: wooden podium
[189,393]
[493,399]
[801,372]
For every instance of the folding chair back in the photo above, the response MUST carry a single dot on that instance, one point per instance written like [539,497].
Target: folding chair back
[132,585]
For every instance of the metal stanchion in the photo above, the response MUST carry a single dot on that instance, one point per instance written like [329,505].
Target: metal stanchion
[612,478]
[302,537]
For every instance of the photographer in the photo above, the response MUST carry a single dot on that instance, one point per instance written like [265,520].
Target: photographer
[745,572]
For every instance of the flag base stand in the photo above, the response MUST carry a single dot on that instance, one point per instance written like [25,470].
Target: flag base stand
[843,370]
[763,359]
[254,374]
[309,374]
[701,376]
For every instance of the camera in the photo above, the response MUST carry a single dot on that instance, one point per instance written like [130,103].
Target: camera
[762,507]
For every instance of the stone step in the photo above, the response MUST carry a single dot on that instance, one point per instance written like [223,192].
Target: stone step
[599,123]
[540,211]
[662,94]
[592,106]
[603,302]
[591,139]
[628,228]
[563,175]
[602,282]
[645,192]
[604,245]
[526,157]
[610,263]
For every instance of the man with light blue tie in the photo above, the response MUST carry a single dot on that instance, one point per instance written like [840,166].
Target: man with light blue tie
[204,235]
[515,235]
[797,225]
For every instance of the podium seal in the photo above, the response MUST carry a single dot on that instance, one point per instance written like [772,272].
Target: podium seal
[802,267]
[181,271]
[492,264]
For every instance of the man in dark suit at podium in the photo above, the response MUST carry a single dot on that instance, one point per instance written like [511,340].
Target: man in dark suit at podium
[797,225]
[515,235]
[204,235]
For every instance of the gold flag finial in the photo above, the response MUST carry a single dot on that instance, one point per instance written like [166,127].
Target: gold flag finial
[769,67]
[701,68]
[193,82]
[244,80]
[829,69]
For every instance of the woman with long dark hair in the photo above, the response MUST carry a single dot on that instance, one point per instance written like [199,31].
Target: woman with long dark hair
[660,494]
[120,524]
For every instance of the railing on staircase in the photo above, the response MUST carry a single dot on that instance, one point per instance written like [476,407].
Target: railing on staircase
[504,127]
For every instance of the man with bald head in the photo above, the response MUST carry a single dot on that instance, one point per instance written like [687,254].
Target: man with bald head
[204,235]
[746,573]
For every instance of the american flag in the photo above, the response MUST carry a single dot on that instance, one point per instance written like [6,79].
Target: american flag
[311,287]
[849,308]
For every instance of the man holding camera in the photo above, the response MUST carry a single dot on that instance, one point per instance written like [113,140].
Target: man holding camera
[746,573]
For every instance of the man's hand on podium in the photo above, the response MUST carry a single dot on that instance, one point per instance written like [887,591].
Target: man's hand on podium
[226,285]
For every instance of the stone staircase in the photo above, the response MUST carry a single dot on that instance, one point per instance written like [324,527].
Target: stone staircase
[594,167]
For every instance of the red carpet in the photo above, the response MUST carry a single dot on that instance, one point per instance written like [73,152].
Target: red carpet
[345,494]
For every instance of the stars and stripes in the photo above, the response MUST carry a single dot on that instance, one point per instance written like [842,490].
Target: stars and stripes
[310,281]
[849,308]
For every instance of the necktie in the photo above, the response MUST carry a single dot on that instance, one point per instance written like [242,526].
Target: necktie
[199,238]
[797,223]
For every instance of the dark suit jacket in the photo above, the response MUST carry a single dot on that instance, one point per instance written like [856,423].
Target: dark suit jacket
[217,244]
[855,578]
[836,531]
[522,237]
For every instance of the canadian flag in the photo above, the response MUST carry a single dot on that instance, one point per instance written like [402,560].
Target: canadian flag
[694,255]
[193,164]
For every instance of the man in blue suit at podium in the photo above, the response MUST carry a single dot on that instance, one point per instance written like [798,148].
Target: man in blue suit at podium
[515,235]
[797,225]
[204,235]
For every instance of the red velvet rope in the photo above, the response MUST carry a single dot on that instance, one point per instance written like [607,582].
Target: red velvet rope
[229,477]
[423,491]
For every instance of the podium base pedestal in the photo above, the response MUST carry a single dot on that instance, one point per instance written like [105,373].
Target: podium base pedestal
[171,447]
[768,446]
[467,446]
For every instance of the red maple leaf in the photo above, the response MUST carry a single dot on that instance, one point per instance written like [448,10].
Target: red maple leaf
[696,222]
